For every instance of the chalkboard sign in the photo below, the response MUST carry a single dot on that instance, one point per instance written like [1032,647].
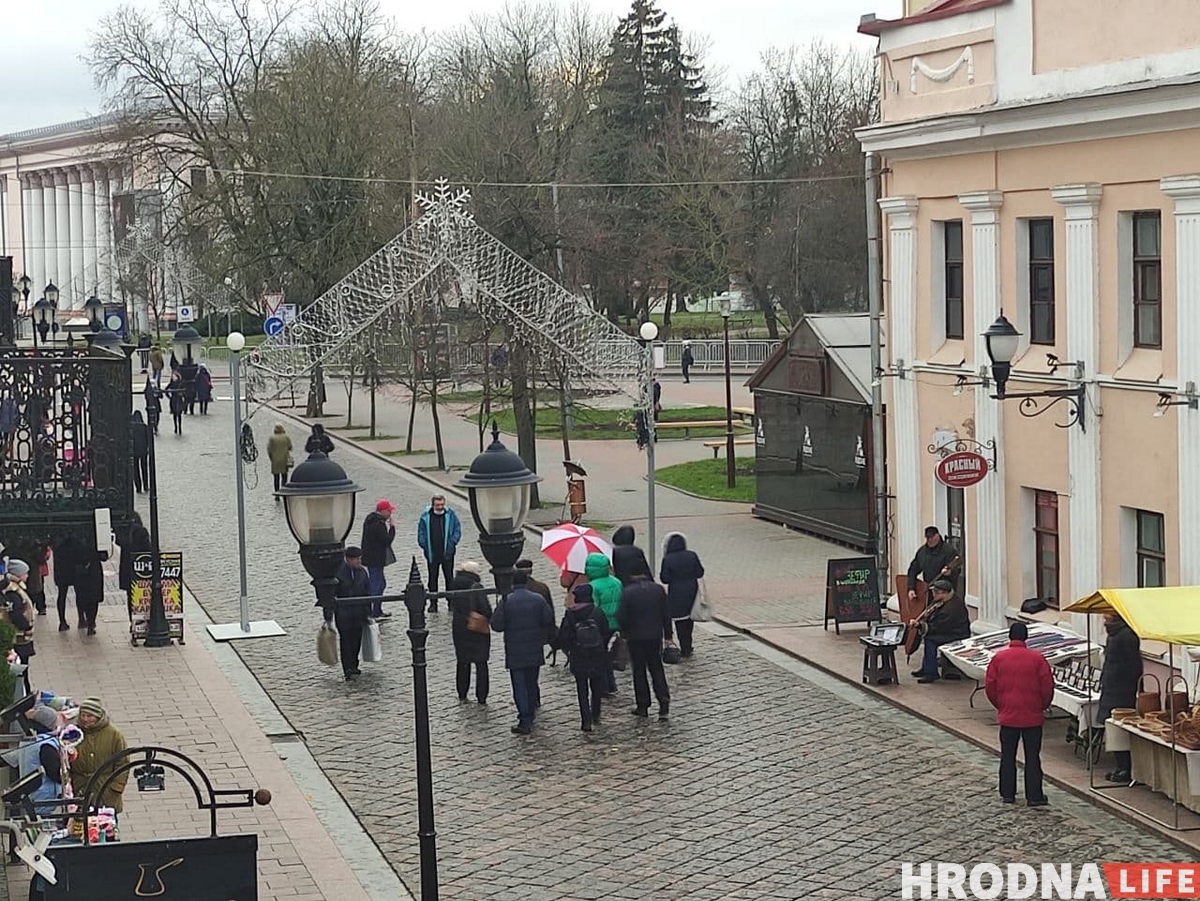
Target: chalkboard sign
[852,592]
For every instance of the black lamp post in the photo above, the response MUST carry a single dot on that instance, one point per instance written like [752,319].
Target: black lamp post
[498,484]
[44,318]
[1002,341]
[730,463]
[24,281]
[94,308]
[50,293]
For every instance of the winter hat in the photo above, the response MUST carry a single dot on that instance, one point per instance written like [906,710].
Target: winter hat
[279,428]
[525,564]
[46,717]
[18,567]
[470,566]
[385,506]
[583,594]
[94,706]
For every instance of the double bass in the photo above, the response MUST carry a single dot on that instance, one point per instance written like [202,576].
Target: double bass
[916,628]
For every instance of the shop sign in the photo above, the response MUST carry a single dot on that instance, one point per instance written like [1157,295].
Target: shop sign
[860,456]
[961,469]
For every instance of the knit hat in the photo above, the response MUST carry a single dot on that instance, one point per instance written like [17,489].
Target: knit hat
[94,706]
[583,593]
[18,567]
[469,566]
[45,717]
[525,564]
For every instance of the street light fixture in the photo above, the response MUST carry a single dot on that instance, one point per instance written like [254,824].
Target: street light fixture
[730,463]
[186,340]
[1002,340]
[499,486]
[94,308]
[43,317]
[51,295]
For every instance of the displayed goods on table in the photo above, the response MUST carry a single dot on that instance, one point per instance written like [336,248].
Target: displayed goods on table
[171,574]
[1053,644]
[1077,679]
[1180,724]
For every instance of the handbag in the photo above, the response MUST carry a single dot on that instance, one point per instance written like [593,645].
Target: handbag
[372,644]
[671,654]
[327,650]
[1149,701]
[620,654]
[701,608]
[477,622]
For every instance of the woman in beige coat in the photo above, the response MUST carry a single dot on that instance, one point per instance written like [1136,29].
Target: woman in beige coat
[279,451]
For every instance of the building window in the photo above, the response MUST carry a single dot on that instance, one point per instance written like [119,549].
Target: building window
[1151,550]
[1041,281]
[1147,279]
[1045,537]
[952,237]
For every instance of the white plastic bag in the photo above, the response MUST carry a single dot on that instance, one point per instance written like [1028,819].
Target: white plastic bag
[701,608]
[372,643]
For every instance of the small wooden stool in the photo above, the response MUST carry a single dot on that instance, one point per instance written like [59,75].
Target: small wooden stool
[879,663]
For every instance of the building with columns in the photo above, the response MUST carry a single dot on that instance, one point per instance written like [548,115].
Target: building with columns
[1040,159]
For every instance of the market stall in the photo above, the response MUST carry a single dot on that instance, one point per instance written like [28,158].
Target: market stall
[1164,745]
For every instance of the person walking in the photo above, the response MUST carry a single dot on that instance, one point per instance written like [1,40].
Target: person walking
[438,535]
[472,645]
[377,536]
[102,741]
[153,398]
[279,452]
[681,572]
[950,622]
[131,541]
[584,636]
[156,365]
[524,617]
[204,389]
[646,623]
[89,588]
[535,585]
[1119,678]
[350,619]
[140,443]
[606,595]
[64,563]
[1020,686]
[686,361]
[176,400]
[143,348]
[18,610]
[628,560]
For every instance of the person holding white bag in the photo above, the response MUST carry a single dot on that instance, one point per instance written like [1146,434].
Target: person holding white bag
[681,572]
[351,619]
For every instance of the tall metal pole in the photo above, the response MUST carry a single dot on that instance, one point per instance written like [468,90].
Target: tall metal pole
[875,298]
[730,464]
[568,414]
[158,632]
[418,635]
[235,368]
[651,478]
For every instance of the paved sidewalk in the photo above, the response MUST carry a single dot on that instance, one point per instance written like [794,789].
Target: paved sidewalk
[179,698]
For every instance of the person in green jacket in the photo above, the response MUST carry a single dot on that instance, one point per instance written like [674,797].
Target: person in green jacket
[606,595]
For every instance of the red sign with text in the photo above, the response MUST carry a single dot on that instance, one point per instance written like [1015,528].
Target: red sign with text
[962,469]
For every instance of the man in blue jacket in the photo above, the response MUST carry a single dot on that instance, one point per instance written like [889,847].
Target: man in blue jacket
[438,534]
[525,618]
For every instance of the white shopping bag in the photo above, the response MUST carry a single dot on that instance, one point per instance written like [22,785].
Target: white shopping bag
[372,643]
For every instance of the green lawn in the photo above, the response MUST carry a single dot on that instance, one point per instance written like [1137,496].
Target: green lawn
[707,479]
[596,424]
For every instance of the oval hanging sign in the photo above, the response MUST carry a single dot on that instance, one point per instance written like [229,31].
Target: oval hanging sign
[961,469]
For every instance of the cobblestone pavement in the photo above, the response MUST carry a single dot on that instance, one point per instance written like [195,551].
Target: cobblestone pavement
[770,781]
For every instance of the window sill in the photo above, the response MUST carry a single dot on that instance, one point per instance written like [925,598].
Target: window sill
[951,353]
[1143,364]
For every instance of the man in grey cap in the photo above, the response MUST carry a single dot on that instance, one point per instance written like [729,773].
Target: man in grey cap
[947,620]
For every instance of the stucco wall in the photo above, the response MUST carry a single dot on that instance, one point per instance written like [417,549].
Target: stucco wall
[1072,34]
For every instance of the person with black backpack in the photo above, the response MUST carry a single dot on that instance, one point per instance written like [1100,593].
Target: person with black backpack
[584,635]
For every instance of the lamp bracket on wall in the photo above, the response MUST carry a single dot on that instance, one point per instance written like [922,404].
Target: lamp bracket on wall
[1056,364]
[985,449]
[897,371]
[963,382]
[1191,399]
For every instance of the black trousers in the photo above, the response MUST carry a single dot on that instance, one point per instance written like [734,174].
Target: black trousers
[280,479]
[62,602]
[178,417]
[350,633]
[446,568]
[590,687]
[683,631]
[204,407]
[482,682]
[88,605]
[141,473]
[646,659]
[1010,736]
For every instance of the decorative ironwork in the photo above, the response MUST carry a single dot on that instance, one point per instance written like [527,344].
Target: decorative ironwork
[1030,407]
[65,441]
[985,449]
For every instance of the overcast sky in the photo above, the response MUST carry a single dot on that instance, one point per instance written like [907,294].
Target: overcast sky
[45,81]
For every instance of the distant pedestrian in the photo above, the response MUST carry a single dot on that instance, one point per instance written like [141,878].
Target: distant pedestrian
[143,346]
[646,624]
[279,452]
[524,617]
[102,741]
[686,361]
[156,365]
[350,619]
[1119,680]
[139,434]
[19,611]
[628,560]
[318,441]
[657,398]
[64,564]
[438,535]
[1020,686]
[89,588]
[472,646]
[153,398]
[584,636]
[606,595]
[536,585]
[176,400]
[681,572]
[377,536]
[204,389]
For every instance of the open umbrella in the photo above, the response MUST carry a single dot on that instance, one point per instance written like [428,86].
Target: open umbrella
[568,545]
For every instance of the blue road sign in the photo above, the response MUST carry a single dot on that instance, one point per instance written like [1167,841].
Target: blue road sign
[272,326]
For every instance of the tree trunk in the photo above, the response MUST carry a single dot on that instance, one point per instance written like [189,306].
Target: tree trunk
[667,306]
[524,415]
[437,424]
[316,394]
[680,303]
[374,369]
[563,417]
[350,398]
[764,303]
[412,403]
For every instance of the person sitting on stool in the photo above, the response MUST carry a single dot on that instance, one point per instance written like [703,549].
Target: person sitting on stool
[950,622]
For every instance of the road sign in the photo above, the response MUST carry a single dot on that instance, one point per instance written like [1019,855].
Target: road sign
[184,314]
[272,303]
[287,312]
[272,326]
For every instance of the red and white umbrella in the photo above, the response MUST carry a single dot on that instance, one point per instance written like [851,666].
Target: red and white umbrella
[568,545]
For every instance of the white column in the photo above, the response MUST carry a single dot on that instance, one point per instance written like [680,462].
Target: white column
[990,544]
[1081,207]
[104,250]
[26,226]
[35,231]
[50,227]
[75,209]
[62,249]
[904,422]
[5,231]
[87,193]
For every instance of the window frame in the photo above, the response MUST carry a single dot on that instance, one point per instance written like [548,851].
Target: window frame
[1045,536]
[1146,264]
[1145,553]
[953,265]
[1041,265]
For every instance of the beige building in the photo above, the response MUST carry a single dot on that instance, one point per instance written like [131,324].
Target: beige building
[1042,157]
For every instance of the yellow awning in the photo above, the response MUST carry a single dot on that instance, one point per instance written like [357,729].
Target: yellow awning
[1158,614]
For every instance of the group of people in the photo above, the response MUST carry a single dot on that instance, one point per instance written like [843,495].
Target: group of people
[182,396]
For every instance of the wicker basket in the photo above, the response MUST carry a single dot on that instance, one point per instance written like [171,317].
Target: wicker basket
[1149,701]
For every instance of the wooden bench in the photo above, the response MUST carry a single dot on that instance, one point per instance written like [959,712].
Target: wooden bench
[688,426]
[718,445]
[744,413]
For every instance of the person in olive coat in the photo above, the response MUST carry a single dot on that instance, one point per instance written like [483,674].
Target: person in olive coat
[1119,682]
[279,452]
[471,649]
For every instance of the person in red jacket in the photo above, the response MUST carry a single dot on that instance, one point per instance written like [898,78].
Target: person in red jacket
[1020,687]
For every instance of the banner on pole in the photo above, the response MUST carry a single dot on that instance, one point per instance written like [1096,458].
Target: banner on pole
[171,573]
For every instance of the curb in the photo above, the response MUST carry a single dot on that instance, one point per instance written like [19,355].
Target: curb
[701,497]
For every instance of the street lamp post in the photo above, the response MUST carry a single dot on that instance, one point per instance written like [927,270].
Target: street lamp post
[158,631]
[648,332]
[498,485]
[186,341]
[43,316]
[94,308]
[1002,340]
[730,463]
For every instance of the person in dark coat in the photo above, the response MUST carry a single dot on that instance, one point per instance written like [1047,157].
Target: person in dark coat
[153,397]
[1020,686]
[64,562]
[177,400]
[377,536]
[318,441]
[1119,683]
[932,561]
[524,617]
[350,619]
[140,437]
[143,348]
[203,389]
[645,624]
[131,541]
[535,585]
[681,572]
[951,622]
[470,648]
[628,560]
[89,588]
[686,361]
[584,636]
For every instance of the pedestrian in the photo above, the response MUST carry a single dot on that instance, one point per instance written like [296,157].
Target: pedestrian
[935,559]
[377,536]
[139,435]
[950,622]
[64,561]
[1020,686]
[628,560]
[279,452]
[681,572]
[89,588]
[657,398]
[318,441]
[153,397]
[351,619]
[102,741]
[646,624]
[143,347]
[176,400]
[686,361]
[472,646]
[35,582]
[204,388]
[584,636]
[132,541]
[606,595]
[48,752]
[18,610]
[570,580]
[524,617]
[1119,678]
[156,365]
[536,585]
[438,535]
